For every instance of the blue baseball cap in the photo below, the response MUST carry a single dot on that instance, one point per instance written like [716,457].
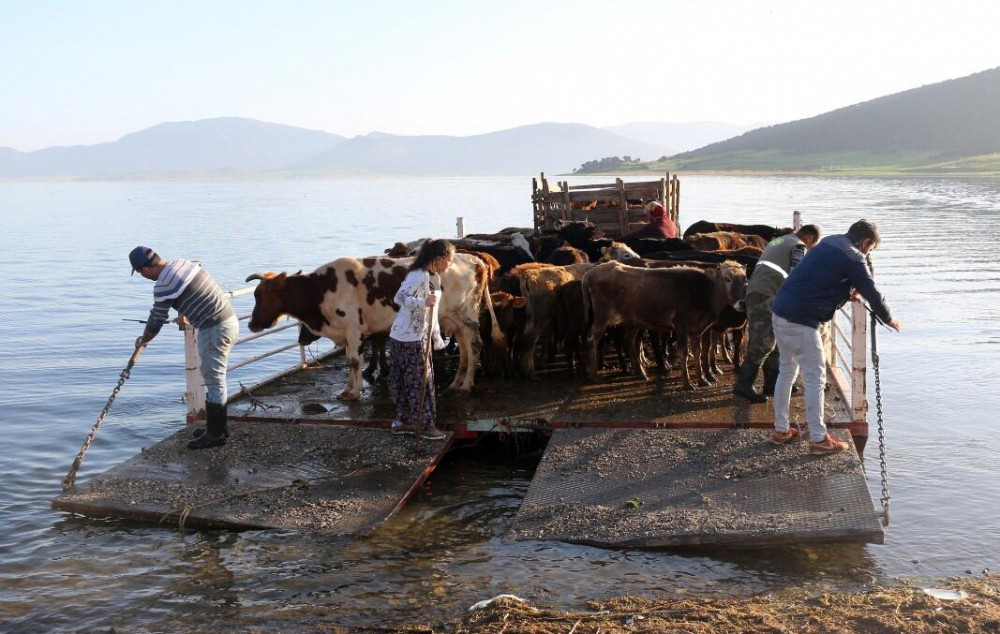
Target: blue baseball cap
[140,257]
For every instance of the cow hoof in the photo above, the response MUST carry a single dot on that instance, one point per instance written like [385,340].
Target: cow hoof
[348,396]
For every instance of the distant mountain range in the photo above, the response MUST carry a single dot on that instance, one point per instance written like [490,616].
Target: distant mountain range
[236,144]
[210,144]
[949,126]
[555,147]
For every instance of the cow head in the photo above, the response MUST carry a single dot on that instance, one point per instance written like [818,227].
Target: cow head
[734,279]
[619,252]
[398,250]
[578,232]
[269,304]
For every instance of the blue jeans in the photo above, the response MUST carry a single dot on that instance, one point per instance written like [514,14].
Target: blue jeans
[214,345]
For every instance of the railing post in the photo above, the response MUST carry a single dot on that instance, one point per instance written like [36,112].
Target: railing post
[460,226]
[859,361]
[796,220]
[194,395]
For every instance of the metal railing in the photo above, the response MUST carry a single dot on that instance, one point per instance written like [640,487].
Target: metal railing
[194,395]
[847,357]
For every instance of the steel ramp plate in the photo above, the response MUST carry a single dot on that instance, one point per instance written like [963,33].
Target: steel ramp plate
[325,478]
[653,488]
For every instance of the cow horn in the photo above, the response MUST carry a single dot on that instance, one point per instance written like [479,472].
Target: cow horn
[254,276]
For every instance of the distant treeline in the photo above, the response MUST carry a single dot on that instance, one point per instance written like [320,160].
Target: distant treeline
[610,164]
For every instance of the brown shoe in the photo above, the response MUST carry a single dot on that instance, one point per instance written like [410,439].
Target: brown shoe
[430,432]
[828,446]
[780,438]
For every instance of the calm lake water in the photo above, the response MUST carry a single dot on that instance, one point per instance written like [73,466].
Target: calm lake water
[65,291]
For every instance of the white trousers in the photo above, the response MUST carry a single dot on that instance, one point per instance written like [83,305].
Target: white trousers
[800,347]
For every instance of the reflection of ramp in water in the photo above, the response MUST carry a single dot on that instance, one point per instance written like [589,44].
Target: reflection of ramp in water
[650,488]
[268,475]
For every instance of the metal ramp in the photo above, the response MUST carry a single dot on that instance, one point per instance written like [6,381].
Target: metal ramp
[324,478]
[662,488]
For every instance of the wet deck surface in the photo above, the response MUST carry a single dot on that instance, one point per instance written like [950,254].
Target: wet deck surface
[323,478]
[557,399]
[660,488]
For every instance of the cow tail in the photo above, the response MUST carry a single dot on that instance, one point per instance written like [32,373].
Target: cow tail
[499,342]
[586,309]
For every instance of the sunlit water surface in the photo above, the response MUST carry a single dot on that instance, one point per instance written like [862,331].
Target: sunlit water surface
[65,290]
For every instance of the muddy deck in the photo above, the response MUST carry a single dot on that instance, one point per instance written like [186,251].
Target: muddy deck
[557,399]
[661,488]
[323,478]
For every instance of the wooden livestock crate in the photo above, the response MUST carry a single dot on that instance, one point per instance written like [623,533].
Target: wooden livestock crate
[616,208]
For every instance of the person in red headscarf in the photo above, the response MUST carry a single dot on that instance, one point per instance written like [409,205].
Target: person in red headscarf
[658,225]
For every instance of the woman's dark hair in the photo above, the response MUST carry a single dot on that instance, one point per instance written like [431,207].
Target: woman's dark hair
[865,229]
[430,251]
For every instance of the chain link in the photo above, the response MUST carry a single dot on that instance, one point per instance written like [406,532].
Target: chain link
[881,428]
[70,478]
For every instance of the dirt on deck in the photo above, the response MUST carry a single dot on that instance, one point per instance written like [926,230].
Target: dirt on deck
[645,487]
[276,475]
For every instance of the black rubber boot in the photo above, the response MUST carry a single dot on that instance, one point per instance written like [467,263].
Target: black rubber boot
[215,428]
[771,367]
[200,431]
[744,385]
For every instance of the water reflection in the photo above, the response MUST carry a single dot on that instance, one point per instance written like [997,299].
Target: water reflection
[447,549]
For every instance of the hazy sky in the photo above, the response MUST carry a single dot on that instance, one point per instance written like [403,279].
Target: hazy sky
[91,71]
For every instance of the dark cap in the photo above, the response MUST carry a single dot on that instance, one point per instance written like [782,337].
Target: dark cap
[140,257]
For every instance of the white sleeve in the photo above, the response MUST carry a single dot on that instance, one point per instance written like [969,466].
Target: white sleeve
[411,291]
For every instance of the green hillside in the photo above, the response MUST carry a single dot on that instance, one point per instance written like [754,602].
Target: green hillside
[950,127]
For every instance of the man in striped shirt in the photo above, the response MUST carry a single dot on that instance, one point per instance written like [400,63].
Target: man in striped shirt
[198,300]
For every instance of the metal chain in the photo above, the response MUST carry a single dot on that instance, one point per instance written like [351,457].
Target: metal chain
[70,478]
[881,428]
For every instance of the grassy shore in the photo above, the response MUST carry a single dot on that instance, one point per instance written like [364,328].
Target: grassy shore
[900,610]
[871,164]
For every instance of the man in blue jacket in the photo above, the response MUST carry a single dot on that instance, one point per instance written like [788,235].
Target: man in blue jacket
[823,281]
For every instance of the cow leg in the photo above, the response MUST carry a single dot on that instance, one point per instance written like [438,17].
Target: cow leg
[379,344]
[369,371]
[709,368]
[703,345]
[470,345]
[686,348]
[739,345]
[353,353]
[633,339]
[594,336]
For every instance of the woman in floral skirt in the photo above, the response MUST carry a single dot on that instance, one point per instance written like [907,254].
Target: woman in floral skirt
[411,369]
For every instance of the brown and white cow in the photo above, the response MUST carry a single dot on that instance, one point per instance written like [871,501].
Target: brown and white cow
[350,299]
[686,301]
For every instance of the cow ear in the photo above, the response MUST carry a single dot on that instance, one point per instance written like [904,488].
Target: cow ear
[280,278]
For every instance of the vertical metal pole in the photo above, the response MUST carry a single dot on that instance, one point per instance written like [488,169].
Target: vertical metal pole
[194,395]
[460,226]
[797,220]
[859,362]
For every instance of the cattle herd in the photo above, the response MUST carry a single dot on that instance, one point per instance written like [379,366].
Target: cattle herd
[528,294]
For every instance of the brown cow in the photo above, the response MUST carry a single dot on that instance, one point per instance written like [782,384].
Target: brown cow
[564,256]
[765,231]
[724,241]
[349,299]
[686,301]
[538,286]
[510,315]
